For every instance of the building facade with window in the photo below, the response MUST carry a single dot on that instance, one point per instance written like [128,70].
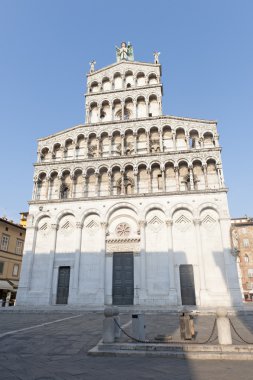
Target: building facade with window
[12,237]
[130,207]
[242,241]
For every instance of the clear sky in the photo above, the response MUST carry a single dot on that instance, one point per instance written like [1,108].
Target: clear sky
[45,47]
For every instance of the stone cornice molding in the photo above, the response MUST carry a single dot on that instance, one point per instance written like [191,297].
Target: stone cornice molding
[123,240]
[158,121]
[122,67]
[98,162]
[128,92]
[118,197]
[198,153]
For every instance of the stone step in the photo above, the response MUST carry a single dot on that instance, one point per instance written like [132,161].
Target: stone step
[187,351]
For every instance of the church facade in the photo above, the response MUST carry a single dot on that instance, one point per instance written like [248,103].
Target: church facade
[131,207]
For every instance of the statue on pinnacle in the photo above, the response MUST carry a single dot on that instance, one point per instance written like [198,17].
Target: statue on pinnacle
[125,52]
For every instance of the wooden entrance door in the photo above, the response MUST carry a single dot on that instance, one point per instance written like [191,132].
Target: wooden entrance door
[123,279]
[63,285]
[187,285]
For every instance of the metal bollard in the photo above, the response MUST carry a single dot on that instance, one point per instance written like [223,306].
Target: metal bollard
[109,324]
[187,331]
[223,326]
[138,326]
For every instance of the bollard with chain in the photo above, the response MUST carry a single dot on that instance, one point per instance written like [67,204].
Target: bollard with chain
[223,326]
[109,329]
[186,326]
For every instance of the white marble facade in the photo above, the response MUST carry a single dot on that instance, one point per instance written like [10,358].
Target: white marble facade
[129,180]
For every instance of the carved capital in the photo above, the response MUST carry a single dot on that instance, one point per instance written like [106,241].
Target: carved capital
[197,222]
[54,226]
[79,225]
[104,225]
[142,223]
[169,222]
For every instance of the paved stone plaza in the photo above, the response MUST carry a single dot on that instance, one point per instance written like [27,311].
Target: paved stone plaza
[58,350]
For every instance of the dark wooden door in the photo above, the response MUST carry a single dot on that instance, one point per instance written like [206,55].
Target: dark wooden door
[123,279]
[63,285]
[187,285]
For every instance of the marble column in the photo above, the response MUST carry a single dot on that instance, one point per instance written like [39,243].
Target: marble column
[163,180]
[122,182]
[216,140]
[60,185]
[110,146]
[87,117]
[147,109]
[102,277]
[85,187]
[143,282]
[71,187]
[174,140]
[201,267]
[191,178]
[35,189]
[76,151]
[148,142]
[109,183]
[161,141]
[78,242]
[28,258]
[98,147]
[135,190]
[85,147]
[187,141]
[149,180]
[96,184]
[135,109]
[110,112]
[135,143]
[220,176]
[63,151]
[172,286]
[205,176]
[98,114]
[122,145]
[176,170]
[123,111]
[54,228]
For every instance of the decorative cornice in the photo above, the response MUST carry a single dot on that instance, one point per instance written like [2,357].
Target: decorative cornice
[104,125]
[125,240]
[116,197]
[124,90]
[122,63]
[198,153]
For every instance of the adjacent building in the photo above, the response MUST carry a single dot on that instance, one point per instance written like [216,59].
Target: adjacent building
[242,241]
[130,207]
[12,237]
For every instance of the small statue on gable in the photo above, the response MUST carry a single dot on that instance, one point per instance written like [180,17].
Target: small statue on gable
[125,52]
[92,66]
[156,57]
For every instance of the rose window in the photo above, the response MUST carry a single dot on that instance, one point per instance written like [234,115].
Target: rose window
[123,230]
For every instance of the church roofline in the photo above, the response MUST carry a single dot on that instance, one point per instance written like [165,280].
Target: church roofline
[170,117]
[124,62]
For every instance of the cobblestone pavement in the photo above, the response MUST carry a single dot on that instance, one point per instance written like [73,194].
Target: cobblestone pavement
[58,351]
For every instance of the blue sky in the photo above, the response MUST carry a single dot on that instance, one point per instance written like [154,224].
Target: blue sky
[45,48]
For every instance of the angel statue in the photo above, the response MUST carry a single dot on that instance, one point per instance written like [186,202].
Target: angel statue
[125,52]
[156,57]
[92,66]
